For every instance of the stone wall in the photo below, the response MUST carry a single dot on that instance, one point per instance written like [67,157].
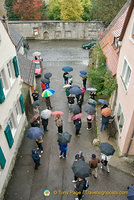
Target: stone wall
[53,30]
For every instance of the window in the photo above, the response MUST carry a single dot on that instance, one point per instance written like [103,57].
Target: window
[17,112]
[3,81]
[126,73]
[9,70]
[132,33]
[12,125]
[120,118]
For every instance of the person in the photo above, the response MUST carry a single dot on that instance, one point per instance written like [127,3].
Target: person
[83,92]
[36,58]
[36,158]
[59,123]
[93,164]
[90,119]
[35,123]
[70,81]
[80,101]
[43,86]
[104,106]
[39,144]
[71,99]
[93,95]
[65,78]
[84,82]
[67,92]
[79,187]
[35,95]
[48,103]
[44,124]
[63,150]
[77,123]
[104,161]
[36,110]
[104,121]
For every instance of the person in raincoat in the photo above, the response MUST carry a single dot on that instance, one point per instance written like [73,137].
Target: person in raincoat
[90,119]
[77,123]
[79,187]
[63,150]
[84,82]
[93,164]
[43,86]
[44,124]
[105,121]
[36,158]
[67,92]
[59,123]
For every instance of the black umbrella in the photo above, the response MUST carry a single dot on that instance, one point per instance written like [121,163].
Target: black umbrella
[81,169]
[89,109]
[74,109]
[107,149]
[64,138]
[36,103]
[45,80]
[75,90]
[47,75]
[34,133]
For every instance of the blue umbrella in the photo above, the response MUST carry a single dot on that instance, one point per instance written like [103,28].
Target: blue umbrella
[83,72]
[103,101]
[34,133]
[75,90]
[67,69]
[91,89]
[130,195]
[107,149]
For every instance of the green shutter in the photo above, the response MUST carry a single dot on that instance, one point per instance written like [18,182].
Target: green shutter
[2,159]
[8,135]
[2,96]
[22,103]
[16,69]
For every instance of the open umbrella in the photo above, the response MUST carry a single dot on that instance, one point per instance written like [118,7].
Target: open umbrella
[78,116]
[47,75]
[34,133]
[64,138]
[48,92]
[130,195]
[91,89]
[45,80]
[37,53]
[103,101]
[81,169]
[34,118]
[67,69]
[57,113]
[74,109]
[67,86]
[75,86]
[36,103]
[45,114]
[107,149]
[106,112]
[89,109]
[68,75]
[92,101]
[75,90]
[83,75]
[83,72]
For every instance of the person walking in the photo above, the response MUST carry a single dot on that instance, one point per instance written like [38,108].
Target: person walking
[44,124]
[93,164]
[65,78]
[70,81]
[67,92]
[77,123]
[59,123]
[36,158]
[79,187]
[90,119]
[43,86]
[48,103]
[105,121]
[84,82]
[35,95]
[36,110]
[71,99]
[80,102]
[63,150]
[93,95]
[104,162]
[39,144]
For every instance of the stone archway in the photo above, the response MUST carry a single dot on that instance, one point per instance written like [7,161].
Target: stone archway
[46,35]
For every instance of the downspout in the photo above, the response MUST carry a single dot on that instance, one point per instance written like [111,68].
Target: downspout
[130,142]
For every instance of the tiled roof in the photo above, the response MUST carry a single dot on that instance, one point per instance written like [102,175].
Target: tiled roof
[27,69]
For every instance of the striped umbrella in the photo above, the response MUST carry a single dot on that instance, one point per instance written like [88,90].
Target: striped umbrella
[47,93]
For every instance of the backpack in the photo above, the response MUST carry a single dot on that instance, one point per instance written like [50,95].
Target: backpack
[86,185]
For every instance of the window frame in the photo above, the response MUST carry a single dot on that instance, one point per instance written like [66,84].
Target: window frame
[131,37]
[13,129]
[120,119]
[18,108]
[3,82]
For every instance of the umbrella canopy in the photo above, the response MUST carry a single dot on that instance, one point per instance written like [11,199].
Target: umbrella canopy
[106,112]
[74,109]
[130,195]
[103,101]
[57,113]
[81,169]
[36,103]
[34,118]
[78,116]
[45,80]
[83,75]
[34,133]
[47,75]
[75,90]
[83,72]
[107,149]
[68,75]
[48,92]
[67,86]
[37,53]
[91,89]
[89,109]
[67,69]
[64,138]
[45,114]
[92,101]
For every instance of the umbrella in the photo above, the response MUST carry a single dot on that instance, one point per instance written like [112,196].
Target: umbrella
[37,53]
[48,92]
[83,72]
[103,101]
[75,90]
[57,113]
[68,75]
[81,169]
[45,80]
[106,112]
[89,109]
[92,101]
[67,69]
[45,114]
[91,89]
[93,105]
[34,118]
[74,109]
[47,75]
[34,133]
[36,103]
[64,138]
[78,116]
[67,86]
[130,195]
[83,76]
[107,149]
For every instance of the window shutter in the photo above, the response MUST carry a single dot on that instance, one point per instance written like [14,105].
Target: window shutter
[16,69]
[9,137]
[22,103]
[2,159]
[2,96]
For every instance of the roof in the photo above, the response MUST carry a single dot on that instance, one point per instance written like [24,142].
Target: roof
[27,69]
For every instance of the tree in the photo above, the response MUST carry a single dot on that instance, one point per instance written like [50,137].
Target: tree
[71,10]
[54,10]
[28,9]
[87,6]
[9,7]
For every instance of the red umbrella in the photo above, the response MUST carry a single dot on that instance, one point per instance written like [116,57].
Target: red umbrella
[57,113]
[106,112]
[78,116]
[34,118]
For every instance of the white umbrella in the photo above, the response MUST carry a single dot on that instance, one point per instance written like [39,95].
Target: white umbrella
[37,53]
[66,86]
[45,114]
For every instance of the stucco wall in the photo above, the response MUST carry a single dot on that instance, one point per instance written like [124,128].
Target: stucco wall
[50,30]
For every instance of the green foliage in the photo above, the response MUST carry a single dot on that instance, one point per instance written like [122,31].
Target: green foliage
[87,6]
[54,10]
[10,13]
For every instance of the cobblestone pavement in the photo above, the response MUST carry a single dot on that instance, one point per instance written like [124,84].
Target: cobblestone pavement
[55,174]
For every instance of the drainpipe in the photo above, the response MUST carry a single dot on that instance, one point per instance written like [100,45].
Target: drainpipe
[130,142]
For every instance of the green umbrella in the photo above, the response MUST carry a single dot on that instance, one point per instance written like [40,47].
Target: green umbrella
[92,101]
[68,76]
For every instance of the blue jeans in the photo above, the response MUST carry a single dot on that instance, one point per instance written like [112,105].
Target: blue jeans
[105,126]
[63,153]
